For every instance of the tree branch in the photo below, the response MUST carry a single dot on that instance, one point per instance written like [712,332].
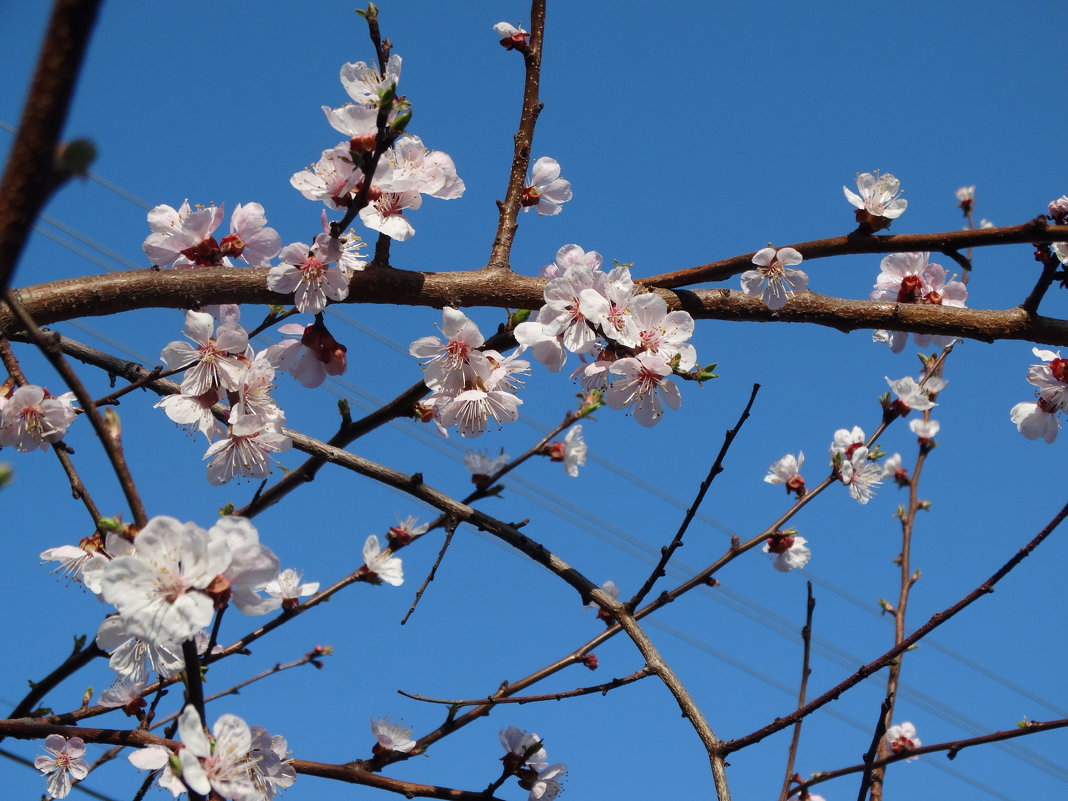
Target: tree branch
[112,293]
[31,175]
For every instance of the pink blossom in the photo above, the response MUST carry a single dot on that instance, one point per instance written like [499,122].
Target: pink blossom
[643,386]
[787,552]
[312,357]
[248,448]
[774,281]
[216,362]
[63,762]
[307,272]
[31,418]
[910,278]
[546,190]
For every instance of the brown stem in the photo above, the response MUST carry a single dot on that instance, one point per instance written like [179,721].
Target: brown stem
[806,638]
[112,293]
[31,176]
[450,529]
[952,747]
[109,439]
[529,699]
[25,729]
[1036,230]
[500,254]
[676,542]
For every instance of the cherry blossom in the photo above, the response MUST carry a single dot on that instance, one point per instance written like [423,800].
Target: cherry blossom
[470,411]
[512,36]
[31,418]
[879,200]
[405,531]
[250,239]
[391,736]
[547,785]
[522,748]
[1036,420]
[845,442]
[252,565]
[482,465]
[1051,378]
[788,552]
[194,411]
[248,448]
[288,587]
[902,737]
[787,471]
[269,769]
[925,430]
[63,762]
[159,589]
[365,84]
[609,307]
[360,124]
[132,658]
[1058,210]
[892,469]
[546,190]
[663,332]
[385,213]
[860,474]
[966,196]
[643,386]
[216,362]
[911,395]
[455,363]
[331,179]
[775,281]
[311,357]
[910,278]
[414,166]
[219,763]
[572,451]
[380,565]
[307,272]
[184,233]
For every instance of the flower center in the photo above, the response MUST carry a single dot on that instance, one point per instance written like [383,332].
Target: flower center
[910,290]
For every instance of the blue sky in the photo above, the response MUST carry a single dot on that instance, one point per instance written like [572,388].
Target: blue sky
[690,133]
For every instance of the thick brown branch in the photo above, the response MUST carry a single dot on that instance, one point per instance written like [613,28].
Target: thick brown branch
[30,175]
[190,289]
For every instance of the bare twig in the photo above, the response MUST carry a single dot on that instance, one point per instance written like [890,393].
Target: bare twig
[31,175]
[935,621]
[450,529]
[676,542]
[806,637]
[529,699]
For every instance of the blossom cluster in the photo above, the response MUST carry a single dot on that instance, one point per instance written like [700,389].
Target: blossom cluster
[235,761]
[404,172]
[31,418]
[220,365]
[628,340]
[469,386]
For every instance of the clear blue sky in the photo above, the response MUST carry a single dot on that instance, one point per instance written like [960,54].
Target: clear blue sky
[690,132]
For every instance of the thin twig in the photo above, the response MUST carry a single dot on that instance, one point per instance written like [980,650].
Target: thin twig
[1050,264]
[450,529]
[806,637]
[530,699]
[110,440]
[676,542]
[500,253]
[933,623]
[871,774]
[952,748]
[77,486]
